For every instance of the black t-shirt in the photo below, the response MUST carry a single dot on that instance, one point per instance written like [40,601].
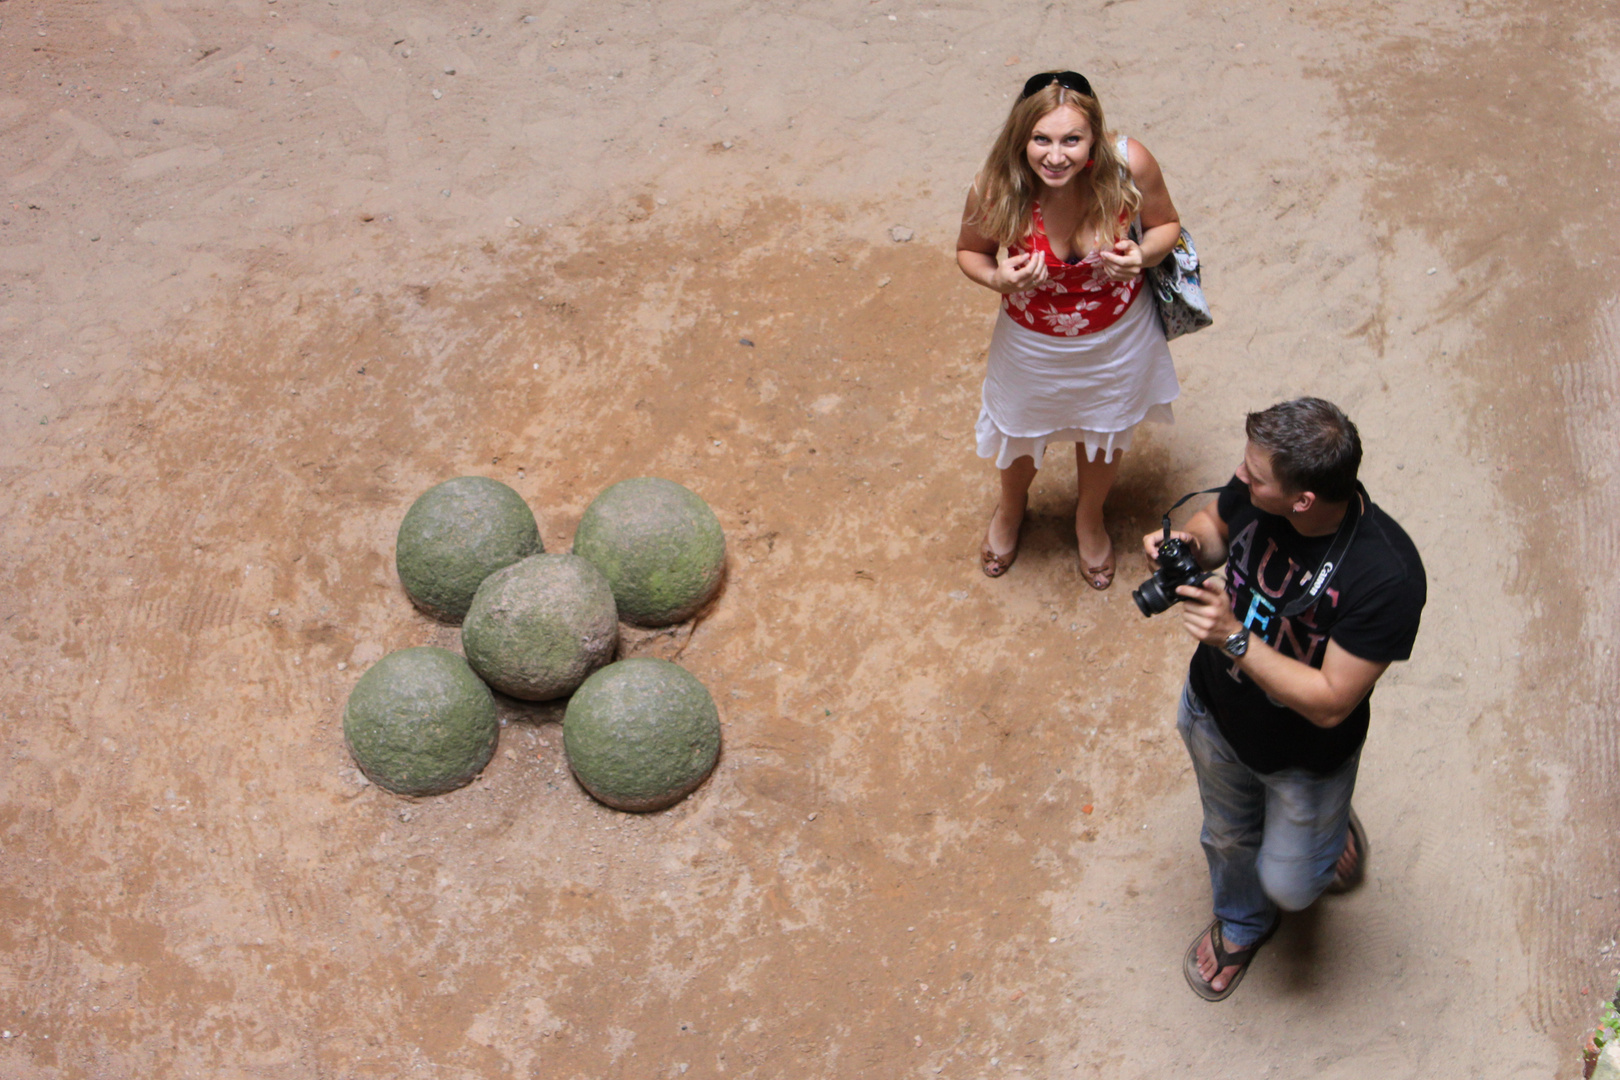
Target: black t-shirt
[1371,608]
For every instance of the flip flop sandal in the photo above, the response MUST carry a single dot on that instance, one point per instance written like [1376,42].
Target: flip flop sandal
[1240,957]
[1343,883]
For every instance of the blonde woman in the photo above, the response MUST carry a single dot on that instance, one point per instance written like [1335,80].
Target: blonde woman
[1078,353]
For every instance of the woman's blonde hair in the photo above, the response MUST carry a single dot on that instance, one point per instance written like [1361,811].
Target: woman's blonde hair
[1007,186]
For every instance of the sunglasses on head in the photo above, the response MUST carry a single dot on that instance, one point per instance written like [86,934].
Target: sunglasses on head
[1069,80]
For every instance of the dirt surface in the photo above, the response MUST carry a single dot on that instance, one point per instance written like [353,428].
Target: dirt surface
[268,270]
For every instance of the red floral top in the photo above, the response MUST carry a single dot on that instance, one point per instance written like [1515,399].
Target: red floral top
[1075,299]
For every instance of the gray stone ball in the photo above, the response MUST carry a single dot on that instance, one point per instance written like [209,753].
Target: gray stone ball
[660,546]
[537,628]
[641,734]
[419,722]
[457,534]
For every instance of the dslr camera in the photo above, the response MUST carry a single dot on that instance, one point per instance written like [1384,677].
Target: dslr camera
[1177,567]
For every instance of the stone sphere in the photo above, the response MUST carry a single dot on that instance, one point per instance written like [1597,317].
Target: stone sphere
[641,734]
[658,544]
[538,627]
[457,534]
[420,722]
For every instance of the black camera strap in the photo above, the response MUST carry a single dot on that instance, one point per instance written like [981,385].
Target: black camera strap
[1334,557]
[1184,498]
[1342,539]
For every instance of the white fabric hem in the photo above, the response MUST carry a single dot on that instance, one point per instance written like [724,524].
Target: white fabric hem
[1006,449]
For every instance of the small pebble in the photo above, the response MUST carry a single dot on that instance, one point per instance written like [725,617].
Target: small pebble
[901,235]
[437,94]
[812,817]
[528,19]
[745,341]
[274,612]
[449,71]
[343,665]
[1432,269]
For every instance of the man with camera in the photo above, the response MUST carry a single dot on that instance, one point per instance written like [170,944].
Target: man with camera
[1323,591]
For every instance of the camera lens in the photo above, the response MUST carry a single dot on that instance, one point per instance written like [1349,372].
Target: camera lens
[1150,599]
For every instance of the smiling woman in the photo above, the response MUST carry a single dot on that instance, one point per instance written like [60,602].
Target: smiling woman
[1073,357]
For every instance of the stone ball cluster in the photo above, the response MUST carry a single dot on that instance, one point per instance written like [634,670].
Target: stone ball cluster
[639,734]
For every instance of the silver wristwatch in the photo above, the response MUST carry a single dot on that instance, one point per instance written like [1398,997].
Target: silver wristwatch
[1237,644]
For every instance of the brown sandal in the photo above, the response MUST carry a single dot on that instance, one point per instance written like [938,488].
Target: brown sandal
[1100,577]
[1224,958]
[994,563]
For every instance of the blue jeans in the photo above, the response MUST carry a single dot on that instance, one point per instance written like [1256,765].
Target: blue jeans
[1271,839]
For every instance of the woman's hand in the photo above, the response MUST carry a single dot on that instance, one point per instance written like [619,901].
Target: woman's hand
[1018,273]
[1124,263]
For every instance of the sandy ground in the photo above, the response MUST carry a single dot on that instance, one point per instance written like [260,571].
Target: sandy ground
[269,269]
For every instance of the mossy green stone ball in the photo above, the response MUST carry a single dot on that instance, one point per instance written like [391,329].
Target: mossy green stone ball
[457,534]
[420,722]
[658,544]
[538,627]
[641,734]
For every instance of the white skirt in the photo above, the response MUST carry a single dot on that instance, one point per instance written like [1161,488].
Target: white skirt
[1091,389]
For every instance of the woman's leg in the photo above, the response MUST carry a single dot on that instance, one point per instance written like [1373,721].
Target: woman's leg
[1095,477]
[1015,481]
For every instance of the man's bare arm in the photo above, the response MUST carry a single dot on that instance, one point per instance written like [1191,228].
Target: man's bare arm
[1324,696]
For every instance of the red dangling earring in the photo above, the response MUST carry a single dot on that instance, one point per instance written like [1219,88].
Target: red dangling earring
[1089,163]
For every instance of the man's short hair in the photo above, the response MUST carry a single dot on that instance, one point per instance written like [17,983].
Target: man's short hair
[1313,446]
